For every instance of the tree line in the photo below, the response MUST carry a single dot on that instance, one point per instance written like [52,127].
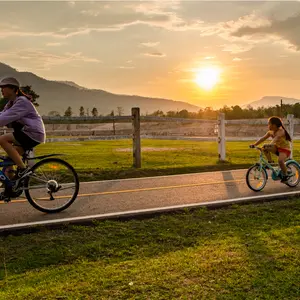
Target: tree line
[234,112]
[231,113]
[86,112]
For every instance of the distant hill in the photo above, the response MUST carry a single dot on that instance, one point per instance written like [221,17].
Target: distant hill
[71,83]
[271,101]
[58,95]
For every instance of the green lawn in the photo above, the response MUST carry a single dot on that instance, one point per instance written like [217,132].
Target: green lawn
[102,160]
[242,252]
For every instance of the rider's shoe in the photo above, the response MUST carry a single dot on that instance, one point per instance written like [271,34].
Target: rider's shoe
[21,173]
[4,197]
[6,194]
[285,178]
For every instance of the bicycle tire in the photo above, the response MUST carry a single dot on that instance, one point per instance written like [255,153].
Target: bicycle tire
[265,175]
[297,167]
[27,190]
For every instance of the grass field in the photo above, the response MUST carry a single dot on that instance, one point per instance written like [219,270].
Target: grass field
[108,159]
[242,252]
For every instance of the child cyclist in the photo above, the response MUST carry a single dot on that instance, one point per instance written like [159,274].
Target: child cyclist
[280,145]
[20,114]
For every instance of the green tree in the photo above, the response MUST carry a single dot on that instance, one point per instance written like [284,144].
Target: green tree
[3,102]
[53,113]
[158,113]
[95,112]
[81,111]
[27,89]
[296,110]
[171,114]
[68,112]
[183,114]
[120,110]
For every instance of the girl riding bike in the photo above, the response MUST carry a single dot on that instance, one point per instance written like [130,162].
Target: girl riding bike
[21,115]
[280,145]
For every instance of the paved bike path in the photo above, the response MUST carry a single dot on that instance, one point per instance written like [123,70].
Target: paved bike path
[144,193]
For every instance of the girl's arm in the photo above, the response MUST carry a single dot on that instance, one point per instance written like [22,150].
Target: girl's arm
[266,136]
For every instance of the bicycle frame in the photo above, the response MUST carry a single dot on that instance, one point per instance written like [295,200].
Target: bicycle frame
[7,162]
[264,164]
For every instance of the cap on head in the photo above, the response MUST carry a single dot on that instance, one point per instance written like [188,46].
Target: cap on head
[9,81]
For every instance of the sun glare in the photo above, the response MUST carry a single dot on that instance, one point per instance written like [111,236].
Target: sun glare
[208,77]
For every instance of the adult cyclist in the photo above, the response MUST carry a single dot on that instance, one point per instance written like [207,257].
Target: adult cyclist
[28,128]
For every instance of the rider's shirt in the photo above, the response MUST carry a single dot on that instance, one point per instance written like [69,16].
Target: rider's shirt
[22,112]
[282,142]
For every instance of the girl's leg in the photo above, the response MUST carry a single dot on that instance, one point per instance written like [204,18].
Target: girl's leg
[6,142]
[268,149]
[268,156]
[9,168]
[281,161]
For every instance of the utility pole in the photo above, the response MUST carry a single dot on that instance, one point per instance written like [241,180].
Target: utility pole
[281,114]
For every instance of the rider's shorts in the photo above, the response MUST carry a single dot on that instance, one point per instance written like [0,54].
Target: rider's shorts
[286,151]
[24,140]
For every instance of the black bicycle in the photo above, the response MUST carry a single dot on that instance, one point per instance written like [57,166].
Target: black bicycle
[51,184]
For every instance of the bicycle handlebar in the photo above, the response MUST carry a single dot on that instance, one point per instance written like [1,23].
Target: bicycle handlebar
[255,147]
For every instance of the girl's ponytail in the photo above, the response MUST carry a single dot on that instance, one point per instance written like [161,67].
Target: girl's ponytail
[277,121]
[287,135]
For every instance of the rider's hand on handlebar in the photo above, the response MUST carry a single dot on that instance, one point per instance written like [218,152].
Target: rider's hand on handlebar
[267,146]
[252,146]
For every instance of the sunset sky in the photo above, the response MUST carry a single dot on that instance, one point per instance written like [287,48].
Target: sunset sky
[206,53]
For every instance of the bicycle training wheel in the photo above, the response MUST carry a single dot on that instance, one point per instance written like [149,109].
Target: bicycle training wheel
[295,170]
[53,186]
[256,178]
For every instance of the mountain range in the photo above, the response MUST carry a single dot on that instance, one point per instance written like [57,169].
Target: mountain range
[58,95]
[271,101]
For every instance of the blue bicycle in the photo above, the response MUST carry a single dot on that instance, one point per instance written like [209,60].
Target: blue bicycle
[50,185]
[257,175]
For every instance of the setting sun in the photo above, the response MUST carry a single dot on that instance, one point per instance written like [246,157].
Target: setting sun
[208,77]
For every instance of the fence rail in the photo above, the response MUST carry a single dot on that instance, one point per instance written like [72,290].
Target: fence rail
[111,119]
[136,119]
[85,120]
[108,119]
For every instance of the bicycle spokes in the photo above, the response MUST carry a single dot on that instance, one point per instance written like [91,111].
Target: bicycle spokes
[256,178]
[294,178]
[53,186]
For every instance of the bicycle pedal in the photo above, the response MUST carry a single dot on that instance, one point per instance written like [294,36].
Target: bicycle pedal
[7,200]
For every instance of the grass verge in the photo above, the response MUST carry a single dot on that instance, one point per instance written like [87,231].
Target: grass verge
[242,252]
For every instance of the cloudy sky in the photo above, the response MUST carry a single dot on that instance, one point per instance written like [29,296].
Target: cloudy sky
[157,48]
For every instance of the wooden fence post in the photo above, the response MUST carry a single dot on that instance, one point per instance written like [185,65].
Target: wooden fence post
[221,137]
[135,111]
[290,119]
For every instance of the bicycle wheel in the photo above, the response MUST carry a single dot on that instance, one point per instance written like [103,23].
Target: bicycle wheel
[295,179]
[53,186]
[256,178]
